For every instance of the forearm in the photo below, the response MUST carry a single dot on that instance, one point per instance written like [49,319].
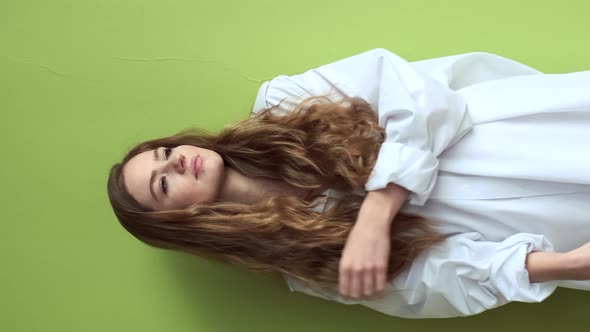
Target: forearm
[547,266]
[390,199]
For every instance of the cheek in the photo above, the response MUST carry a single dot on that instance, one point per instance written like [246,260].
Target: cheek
[187,194]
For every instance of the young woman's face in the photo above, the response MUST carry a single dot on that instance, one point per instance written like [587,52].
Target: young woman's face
[166,178]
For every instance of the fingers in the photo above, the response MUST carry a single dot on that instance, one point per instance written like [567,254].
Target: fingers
[356,284]
[345,276]
[351,283]
[381,278]
[362,282]
[368,281]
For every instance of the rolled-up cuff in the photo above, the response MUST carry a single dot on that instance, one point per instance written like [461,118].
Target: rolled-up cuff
[511,276]
[406,166]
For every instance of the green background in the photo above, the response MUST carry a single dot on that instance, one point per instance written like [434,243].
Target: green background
[83,81]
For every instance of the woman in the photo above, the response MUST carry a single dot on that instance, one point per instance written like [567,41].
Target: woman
[488,153]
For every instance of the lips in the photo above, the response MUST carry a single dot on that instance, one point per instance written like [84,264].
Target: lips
[196,164]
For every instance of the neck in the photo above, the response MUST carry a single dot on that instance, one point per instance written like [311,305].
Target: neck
[239,188]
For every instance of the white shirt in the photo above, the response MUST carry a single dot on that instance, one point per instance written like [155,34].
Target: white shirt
[469,136]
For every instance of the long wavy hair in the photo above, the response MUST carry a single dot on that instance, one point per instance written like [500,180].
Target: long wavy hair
[319,144]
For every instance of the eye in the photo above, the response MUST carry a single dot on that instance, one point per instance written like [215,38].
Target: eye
[164,184]
[167,152]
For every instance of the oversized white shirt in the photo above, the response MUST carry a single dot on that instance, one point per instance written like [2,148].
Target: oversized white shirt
[428,109]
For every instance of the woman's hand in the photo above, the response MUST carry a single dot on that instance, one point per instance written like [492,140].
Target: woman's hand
[365,258]
[363,266]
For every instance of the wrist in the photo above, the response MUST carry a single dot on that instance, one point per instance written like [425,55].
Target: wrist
[388,199]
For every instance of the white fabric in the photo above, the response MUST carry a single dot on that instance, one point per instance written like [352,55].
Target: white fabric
[462,276]
[502,164]
[420,115]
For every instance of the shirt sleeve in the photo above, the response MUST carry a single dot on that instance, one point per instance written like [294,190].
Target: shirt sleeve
[462,276]
[462,70]
[416,102]
[421,116]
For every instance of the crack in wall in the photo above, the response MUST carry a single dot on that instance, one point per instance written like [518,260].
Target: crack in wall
[162,59]
[194,60]
[53,71]
[61,74]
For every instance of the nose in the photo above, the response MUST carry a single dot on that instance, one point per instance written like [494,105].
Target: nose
[178,163]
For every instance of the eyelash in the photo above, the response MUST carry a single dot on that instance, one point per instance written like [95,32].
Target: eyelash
[167,152]
[163,181]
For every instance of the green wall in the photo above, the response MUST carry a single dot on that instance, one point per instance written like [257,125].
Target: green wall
[82,81]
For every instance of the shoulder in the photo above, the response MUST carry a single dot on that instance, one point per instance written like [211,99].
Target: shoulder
[282,90]
[260,101]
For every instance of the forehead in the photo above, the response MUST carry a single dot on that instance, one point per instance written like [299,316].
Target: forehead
[136,175]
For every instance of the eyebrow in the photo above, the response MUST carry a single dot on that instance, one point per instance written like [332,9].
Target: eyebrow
[153,177]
